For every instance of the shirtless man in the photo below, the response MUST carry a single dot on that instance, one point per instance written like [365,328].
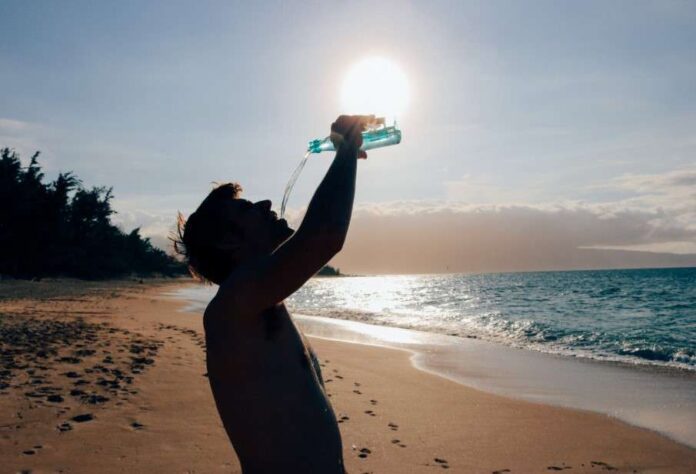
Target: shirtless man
[264,376]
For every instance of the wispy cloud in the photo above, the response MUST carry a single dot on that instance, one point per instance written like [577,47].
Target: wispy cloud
[20,135]
[676,183]
[671,194]
[9,126]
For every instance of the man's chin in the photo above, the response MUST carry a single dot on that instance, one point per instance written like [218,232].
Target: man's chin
[283,232]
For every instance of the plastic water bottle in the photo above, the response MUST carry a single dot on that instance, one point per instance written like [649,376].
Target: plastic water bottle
[374,137]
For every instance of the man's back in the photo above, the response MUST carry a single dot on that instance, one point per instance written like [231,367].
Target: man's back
[269,394]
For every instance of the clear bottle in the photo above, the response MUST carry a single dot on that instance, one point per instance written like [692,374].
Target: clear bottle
[374,137]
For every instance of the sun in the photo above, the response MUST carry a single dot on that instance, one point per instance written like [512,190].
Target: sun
[377,86]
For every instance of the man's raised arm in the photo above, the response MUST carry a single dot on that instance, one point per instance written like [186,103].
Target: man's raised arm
[270,279]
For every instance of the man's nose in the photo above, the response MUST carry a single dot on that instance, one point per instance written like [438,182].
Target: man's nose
[265,205]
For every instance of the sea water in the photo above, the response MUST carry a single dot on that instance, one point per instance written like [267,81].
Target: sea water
[643,317]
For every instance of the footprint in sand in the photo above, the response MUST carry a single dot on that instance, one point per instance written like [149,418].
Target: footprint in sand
[501,471]
[370,412]
[343,418]
[603,465]
[339,377]
[96,399]
[398,443]
[63,427]
[393,426]
[83,418]
[373,402]
[442,462]
[364,452]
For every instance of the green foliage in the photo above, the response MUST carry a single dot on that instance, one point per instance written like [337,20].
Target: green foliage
[64,229]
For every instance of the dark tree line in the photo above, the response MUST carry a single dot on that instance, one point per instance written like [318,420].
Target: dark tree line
[63,229]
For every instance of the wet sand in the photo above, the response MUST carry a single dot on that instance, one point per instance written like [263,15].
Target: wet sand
[111,378]
[659,399]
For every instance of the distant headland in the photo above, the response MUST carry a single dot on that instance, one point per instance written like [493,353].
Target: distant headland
[329,271]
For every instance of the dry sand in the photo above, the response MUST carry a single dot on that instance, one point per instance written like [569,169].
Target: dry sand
[111,378]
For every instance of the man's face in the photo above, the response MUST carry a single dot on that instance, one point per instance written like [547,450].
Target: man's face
[261,230]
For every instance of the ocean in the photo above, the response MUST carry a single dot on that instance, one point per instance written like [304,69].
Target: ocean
[645,316]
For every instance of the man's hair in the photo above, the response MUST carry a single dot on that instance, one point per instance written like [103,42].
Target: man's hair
[198,238]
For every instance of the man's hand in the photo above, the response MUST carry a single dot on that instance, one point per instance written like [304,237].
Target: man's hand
[347,131]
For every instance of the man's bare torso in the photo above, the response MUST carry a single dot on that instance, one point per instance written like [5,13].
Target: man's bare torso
[268,387]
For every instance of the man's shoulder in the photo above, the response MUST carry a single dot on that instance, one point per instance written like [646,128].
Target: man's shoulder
[231,297]
[227,300]
[251,289]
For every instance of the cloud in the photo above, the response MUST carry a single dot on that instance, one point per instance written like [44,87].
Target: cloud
[672,193]
[461,238]
[473,189]
[18,135]
[650,226]
[679,248]
[156,225]
[9,126]
[653,225]
[674,182]
[26,138]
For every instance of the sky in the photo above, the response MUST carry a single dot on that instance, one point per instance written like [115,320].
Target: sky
[538,135]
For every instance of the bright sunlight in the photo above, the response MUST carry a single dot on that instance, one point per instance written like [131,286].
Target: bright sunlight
[375,86]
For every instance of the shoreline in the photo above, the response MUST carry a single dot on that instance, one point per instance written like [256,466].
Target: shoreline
[199,296]
[629,363]
[640,317]
[547,379]
[393,417]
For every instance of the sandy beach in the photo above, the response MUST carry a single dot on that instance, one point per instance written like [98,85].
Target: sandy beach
[111,378]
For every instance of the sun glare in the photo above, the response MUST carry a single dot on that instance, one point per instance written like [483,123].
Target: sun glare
[375,86]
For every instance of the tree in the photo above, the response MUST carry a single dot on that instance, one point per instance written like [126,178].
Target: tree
[328,270]
[64,229]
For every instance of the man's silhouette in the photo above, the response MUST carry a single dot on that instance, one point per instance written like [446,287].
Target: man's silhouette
[264,376]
